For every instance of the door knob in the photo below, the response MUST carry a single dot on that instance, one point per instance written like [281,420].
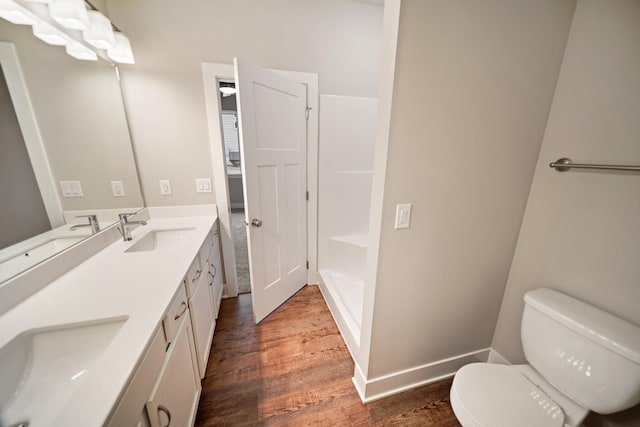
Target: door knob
[256,222]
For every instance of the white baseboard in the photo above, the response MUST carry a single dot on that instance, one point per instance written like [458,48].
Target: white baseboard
[239,205]
[495,357]
[397,382]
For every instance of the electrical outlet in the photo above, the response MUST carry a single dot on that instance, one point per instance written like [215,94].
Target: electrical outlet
[165,187]
[117,188]
[203,185]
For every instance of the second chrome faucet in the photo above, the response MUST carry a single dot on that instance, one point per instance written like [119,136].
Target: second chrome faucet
[124,229]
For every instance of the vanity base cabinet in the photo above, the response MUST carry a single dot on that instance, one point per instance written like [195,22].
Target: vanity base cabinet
[174,399]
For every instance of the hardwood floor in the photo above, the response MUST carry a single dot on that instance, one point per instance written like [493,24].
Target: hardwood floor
[294,370]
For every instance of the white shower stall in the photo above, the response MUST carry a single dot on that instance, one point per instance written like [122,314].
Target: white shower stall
[347,134]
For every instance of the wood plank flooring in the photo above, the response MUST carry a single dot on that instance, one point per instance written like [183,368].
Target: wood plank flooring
[293,369]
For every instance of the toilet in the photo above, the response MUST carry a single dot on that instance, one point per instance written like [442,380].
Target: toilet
[580,359]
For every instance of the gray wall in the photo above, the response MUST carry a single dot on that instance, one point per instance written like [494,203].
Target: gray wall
[581,230]
[22,212]
[338,39]
[472,91]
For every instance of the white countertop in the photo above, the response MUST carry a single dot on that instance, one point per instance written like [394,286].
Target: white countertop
[112,283]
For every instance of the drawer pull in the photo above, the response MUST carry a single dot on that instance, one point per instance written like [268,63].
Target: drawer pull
[212,277]
[198,273]
[163,409]
[184,310]
[215,270]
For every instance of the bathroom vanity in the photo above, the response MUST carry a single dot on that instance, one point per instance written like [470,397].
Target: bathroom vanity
[123,338]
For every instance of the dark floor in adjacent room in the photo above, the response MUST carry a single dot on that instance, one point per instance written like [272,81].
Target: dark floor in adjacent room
[294,369]
[241,249]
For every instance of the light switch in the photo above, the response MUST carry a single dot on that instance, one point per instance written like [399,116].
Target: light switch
[117,188]
[203,185]
[403,215]
[71,189]
[165,187]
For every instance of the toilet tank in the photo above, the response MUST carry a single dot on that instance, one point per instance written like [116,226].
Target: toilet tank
[590,355]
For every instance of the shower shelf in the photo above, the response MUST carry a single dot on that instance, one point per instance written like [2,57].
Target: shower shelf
[360,240]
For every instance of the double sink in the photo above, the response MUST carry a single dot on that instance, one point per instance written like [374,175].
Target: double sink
[42,368]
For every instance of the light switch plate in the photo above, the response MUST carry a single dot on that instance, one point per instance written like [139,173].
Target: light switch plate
[165,187]
[117,188]
[403,215]
[203,185]
[71,189]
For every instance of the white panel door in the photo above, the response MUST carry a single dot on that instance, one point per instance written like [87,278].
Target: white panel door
[273,142]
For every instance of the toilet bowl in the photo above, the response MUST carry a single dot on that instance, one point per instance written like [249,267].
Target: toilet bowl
[580,359]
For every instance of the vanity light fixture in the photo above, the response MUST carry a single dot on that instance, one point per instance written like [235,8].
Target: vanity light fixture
[121,52]
[100,33]
[49,34]
[70,14]
[80,51]
[55,22]
[16,13]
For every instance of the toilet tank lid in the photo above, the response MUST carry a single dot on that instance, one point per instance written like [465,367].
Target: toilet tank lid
[603,328]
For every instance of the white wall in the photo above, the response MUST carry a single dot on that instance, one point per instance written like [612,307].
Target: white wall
[472,89]
[581,230]
[338,39]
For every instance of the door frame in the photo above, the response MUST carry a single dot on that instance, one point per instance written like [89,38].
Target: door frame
[212,73]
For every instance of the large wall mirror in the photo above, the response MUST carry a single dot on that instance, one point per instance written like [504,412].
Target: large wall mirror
[65,150]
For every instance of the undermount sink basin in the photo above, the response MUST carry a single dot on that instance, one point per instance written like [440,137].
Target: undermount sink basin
[42,368]
[32,256]
[161,239]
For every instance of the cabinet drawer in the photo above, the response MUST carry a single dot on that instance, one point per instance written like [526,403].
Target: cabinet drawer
[205,251]
[193,276]
[215,232]
[178,309]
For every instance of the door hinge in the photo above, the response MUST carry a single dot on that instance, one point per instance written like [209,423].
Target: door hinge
[307,195]
[306,112]
[307,265]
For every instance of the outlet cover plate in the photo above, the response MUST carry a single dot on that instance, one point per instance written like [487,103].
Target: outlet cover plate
[117,188]
[165,187]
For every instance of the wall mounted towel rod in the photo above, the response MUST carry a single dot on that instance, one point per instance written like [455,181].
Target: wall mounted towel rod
[564,164]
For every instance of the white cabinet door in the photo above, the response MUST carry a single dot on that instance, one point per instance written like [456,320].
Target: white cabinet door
[174,399]
[215,278]
[203,322]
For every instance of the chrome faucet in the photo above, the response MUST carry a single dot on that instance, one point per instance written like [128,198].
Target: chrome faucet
[93,223]
[124,225]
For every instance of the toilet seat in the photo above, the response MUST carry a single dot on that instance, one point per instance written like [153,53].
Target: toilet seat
[491,395]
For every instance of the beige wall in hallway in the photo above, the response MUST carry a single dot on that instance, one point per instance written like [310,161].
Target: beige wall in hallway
[338,39]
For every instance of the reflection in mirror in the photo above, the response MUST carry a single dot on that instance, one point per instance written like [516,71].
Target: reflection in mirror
[65,150]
